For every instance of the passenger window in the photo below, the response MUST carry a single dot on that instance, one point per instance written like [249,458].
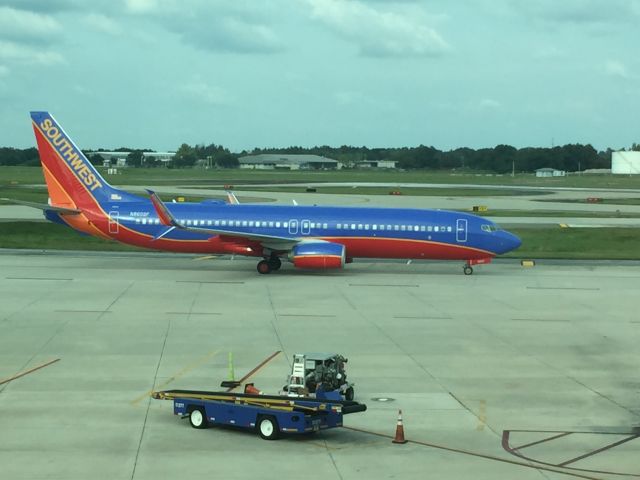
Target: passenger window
[325,226]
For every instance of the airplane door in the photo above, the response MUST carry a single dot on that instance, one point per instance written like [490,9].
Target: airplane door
[461,230]
[305,227]
[114,225]
[293,227]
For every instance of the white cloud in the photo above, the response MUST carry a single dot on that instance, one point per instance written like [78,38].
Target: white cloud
[140,6]
[26,26]
[14,52]
[378,33]
[102,23]
[489,104]
[202,91]
[614,68]
[579,11]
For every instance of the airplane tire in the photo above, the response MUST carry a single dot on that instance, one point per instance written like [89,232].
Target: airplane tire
[467,270]
[264,267]
[275,263]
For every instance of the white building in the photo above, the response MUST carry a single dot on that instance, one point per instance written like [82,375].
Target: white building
[376,164]
[119,159]
[277,161]
[625,163]
[550,172]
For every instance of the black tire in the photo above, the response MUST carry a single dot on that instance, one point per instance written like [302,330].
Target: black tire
[467,270]
[349,394]
[275,263]
[267,427]
[263,267]
[198,418]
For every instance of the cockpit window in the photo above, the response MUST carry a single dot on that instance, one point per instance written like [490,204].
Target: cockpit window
[489,228]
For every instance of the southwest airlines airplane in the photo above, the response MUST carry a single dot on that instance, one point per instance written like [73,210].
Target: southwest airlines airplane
[310,237]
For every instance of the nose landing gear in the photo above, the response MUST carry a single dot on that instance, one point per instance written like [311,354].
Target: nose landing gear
[467,269]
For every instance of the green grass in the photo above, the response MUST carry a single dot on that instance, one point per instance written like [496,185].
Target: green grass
[406,191]
[162,176]
[578,243]
[603,201]
[53,236]
[565,243]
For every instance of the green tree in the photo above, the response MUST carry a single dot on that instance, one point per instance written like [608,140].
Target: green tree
[185,156]
[134,159]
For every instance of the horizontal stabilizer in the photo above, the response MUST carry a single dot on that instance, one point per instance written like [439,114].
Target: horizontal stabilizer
[44,206]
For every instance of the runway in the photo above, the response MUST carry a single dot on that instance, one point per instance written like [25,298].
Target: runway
[526,351]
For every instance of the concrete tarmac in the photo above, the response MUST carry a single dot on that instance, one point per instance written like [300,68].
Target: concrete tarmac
[545,359]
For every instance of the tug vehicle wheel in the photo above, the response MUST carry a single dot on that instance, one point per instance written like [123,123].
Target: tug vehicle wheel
[198,419]
[268,427]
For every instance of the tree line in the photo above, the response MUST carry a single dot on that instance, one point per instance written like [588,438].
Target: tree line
[499,159]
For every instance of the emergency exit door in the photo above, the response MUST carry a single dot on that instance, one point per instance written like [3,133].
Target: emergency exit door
[461,230]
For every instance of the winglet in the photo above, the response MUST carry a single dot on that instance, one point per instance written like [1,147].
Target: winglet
[233,200]
[161,209]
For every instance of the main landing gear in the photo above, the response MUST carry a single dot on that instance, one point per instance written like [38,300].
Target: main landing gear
[269,264]
[467,269]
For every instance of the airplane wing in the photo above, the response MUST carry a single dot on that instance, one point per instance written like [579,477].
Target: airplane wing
[272,242]
[44,206]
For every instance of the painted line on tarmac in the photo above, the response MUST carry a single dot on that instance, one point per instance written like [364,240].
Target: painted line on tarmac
[632,435]
[186,369]
[210,281]
[599,450]
[40,278]
[26,372]
[564,288]
[192,313]
[480,455]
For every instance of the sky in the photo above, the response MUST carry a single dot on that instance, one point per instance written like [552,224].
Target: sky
[379,73]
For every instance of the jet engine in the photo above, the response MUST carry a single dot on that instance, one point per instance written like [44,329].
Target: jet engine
[318,255]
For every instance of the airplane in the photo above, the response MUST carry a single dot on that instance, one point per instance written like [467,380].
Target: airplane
[310,237]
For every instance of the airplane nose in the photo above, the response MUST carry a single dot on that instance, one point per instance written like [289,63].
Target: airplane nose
[507,242]
[510,242]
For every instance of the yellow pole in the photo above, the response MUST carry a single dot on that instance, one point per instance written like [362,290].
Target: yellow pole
[231,373]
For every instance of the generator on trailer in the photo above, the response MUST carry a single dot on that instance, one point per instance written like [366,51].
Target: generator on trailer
[314,372]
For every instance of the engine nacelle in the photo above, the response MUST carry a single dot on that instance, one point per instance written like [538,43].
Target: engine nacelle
[318,255]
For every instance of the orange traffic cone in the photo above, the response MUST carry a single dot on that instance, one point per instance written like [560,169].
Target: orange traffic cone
[250,389]
[399,430]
